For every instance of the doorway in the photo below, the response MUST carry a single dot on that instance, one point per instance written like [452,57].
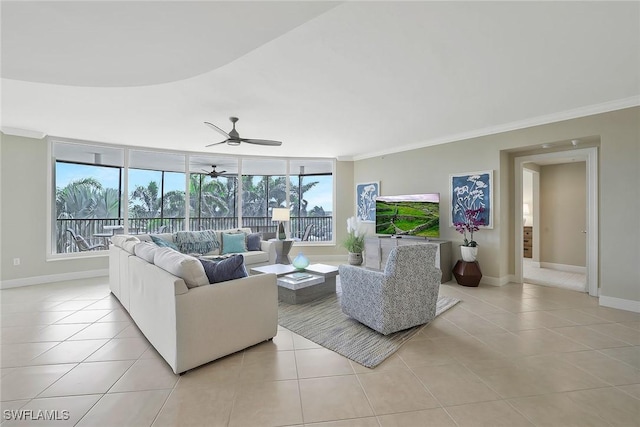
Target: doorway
[589,156]
[554,218]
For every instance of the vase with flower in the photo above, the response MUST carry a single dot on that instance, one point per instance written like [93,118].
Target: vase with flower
[471,223]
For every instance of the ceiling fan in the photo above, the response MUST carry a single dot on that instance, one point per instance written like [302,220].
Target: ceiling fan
[214,173]
[233,137]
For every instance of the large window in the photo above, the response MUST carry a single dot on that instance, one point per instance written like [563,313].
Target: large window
[168,191]
[156,192]
[212,202]
[87,183]
[311,184]
[264,187]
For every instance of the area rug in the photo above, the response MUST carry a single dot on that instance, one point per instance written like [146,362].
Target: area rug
[323,322]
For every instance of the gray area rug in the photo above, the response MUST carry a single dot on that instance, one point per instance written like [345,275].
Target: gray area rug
[323,322]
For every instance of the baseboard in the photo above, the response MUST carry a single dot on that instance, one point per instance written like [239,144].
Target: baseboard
[564,267]
[52,278]
[494,281]
[619,303]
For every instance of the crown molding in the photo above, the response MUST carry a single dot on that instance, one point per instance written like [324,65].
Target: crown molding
[590,110]
[26,133]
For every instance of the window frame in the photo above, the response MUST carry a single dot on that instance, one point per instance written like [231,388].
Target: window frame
[124,196]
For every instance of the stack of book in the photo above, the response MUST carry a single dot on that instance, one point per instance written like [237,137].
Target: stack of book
[299,276]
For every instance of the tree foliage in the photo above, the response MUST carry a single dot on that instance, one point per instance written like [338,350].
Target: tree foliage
[86,199]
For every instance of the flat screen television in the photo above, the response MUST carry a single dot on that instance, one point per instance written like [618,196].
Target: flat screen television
[408,215]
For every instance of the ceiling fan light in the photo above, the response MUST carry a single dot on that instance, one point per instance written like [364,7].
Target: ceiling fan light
[233,142]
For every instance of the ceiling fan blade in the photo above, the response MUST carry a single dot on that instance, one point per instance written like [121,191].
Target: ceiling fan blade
[217,143]
[261,141]
[216,128]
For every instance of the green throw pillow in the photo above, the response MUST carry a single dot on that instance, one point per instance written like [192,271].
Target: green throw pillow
[233,243]
[163,243]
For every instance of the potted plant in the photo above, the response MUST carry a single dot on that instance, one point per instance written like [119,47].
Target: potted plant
[471,223]
[354,242]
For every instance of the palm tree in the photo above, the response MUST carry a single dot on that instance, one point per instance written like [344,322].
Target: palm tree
[84,199]
[173,204]
[144,202]
[218,197]
[254,196]
[297,194]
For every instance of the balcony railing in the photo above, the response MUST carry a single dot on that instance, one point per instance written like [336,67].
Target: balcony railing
[94,232]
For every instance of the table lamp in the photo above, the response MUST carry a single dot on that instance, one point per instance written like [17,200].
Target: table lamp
[280,215]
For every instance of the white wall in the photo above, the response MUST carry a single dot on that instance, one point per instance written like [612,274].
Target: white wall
[24,217]
[563,214]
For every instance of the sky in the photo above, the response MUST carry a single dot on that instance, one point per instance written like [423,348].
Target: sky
[320,195]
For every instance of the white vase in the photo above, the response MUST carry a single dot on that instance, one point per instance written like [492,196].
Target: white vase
[355,258]
[469,253]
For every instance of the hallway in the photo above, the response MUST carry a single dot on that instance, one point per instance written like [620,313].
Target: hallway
[549,277]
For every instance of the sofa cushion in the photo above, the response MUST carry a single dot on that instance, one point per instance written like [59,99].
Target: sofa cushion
[146,251]
[129,246]
[255,257]
[184,266]
[198,242]
[164,243]
[253,242]
[119,240]
[226,269]
[233,243]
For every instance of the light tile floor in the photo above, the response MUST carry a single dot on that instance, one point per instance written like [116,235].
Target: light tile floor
[550,277]
[514,355]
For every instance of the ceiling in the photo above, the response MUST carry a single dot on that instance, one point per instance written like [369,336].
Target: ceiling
[329,79]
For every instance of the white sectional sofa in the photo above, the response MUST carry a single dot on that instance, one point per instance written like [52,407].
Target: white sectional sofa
[189,321]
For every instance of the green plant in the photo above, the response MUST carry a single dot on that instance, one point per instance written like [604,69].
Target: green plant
[355,236]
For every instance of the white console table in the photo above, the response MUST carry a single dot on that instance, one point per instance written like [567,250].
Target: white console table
[377,250]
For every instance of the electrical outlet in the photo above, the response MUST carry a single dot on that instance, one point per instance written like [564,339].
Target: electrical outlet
[16,261]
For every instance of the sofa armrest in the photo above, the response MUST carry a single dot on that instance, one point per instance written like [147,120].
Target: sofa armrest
[269,248]
[216,320]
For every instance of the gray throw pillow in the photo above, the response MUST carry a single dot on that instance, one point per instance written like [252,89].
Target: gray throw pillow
[226,269]
[253,242]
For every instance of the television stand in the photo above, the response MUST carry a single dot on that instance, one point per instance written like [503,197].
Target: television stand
[376,252]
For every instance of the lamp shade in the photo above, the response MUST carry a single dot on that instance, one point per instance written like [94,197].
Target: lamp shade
[280,214]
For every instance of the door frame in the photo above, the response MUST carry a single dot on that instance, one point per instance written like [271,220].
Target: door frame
[590,156]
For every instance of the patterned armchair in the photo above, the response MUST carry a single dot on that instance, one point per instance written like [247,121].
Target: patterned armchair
[403,296]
